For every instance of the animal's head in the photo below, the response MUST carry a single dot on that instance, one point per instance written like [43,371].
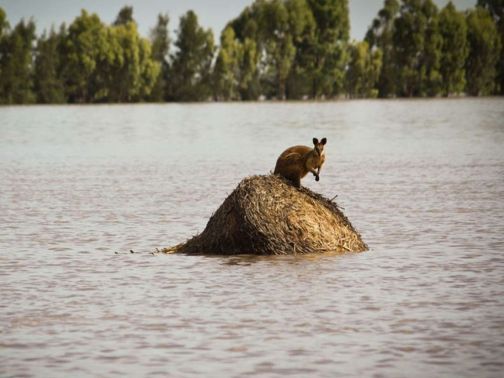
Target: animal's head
[319,146]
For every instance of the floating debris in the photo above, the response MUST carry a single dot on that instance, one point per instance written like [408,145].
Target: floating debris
[266,215]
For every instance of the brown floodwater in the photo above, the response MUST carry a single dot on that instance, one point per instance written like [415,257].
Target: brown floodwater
[81,186]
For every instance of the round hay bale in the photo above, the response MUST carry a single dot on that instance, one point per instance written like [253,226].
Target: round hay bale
[266,215]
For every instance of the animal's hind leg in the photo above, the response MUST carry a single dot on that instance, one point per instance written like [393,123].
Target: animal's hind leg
[294,180]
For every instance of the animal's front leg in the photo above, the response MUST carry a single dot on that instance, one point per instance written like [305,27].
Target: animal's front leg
[315,173]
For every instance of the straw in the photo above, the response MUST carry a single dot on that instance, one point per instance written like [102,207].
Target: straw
[266,215]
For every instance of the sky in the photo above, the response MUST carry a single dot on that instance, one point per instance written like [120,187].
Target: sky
[211,13]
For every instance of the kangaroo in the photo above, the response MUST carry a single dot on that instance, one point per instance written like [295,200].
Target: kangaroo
[295,162]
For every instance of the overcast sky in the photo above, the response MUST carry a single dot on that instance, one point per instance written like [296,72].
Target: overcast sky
[212,13]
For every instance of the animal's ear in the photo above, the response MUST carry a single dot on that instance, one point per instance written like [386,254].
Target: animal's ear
[315,141]
[323,141]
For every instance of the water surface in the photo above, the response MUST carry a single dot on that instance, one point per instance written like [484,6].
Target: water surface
[81,186]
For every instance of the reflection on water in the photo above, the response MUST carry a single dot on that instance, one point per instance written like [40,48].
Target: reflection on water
[423,181]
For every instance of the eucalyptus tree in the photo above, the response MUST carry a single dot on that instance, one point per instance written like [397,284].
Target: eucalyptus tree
[328,53]
[124,16]
[279,46]
[247,32]
[86,53]
[496,9]
[417,48]
[363,71]
[160,39]
[300,46]
[132,73]
[484,52]
[190,73]
[49,88]
[380,36]
[226,72]
[4,28]
[16,63]
[249,82]
[302,28]
[103,63]
[454,50]
[284,25]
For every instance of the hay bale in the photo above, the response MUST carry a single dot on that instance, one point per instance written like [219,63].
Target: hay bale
[265,215]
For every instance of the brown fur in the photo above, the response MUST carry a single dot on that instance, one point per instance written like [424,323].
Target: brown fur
[295,162]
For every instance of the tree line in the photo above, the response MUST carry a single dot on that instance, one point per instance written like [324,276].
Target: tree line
[275,49]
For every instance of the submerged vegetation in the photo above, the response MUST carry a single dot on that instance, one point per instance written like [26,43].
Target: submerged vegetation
[275,49]
[266,215]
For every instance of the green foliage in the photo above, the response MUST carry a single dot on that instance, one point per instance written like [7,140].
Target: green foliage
[279,47]
[380,35]
[282,49]
[363,70]
[303,30]
[328,52]
[190,73]
[454,51]
[106,64]
[132,72]
[4,24]
[248,83]
[125,16]
[301,46]
[16,49]
[247,32]
[85,48]
[484,52]
[496,9]
[49,87]
[160,40]
[227,67]
[417,43]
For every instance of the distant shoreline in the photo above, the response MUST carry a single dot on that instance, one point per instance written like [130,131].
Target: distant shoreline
[265,102]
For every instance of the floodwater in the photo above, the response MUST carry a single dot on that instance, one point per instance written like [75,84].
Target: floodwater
[81,186]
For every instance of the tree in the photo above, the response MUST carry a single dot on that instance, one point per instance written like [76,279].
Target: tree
[248,83]
[160,39]
[279,47]
[4,24]
[49,87]
[106,63]
[16,80]
[380,35]
[4,27]
[484,52]
[191,68]
[496,9]
[302,28]
[363,70]
[125,16]
[454,51]
[328,53]
[417,48]
[87,53]
[247,32]
[132,73]
[227,67]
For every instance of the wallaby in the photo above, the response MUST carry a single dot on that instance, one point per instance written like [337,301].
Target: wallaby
[295,162]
